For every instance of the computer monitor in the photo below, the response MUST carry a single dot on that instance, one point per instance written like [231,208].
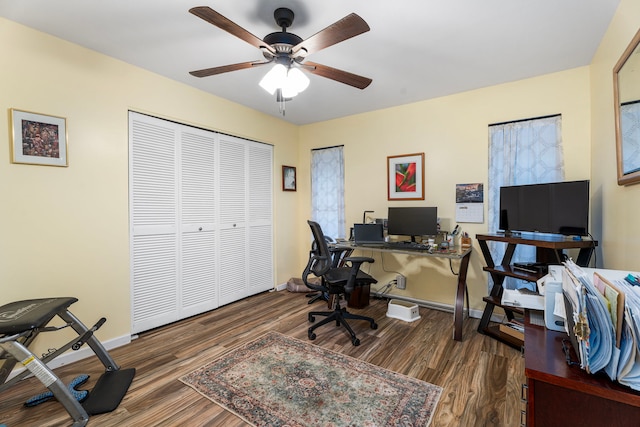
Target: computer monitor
[413,221]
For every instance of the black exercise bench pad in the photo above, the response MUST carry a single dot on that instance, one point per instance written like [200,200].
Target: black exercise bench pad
[30,314]
[109,391]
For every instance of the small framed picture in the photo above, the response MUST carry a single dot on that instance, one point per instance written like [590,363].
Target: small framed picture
[405,177]
[38,139]
[288,178]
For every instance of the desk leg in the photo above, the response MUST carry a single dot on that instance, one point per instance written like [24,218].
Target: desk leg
[458,312]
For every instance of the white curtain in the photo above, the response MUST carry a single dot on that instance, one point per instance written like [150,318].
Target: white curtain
[327,190]
[522,152]
[630,129]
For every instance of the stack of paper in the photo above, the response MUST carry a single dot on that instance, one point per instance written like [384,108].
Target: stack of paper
[606,318]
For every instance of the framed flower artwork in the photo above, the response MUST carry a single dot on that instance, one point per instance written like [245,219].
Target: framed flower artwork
[405,177]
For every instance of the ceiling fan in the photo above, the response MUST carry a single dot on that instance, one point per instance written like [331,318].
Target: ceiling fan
[287,48]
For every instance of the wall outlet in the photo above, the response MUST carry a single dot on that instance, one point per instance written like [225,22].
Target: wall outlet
[401,282]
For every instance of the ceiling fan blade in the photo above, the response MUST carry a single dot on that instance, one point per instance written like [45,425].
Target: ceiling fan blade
[213,17]
[226,68]
[338,75]
[349,26]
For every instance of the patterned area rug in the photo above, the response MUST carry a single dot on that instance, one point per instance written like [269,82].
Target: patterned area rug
[281,381]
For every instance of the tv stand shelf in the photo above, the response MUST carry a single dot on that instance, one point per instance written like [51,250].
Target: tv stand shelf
[510,271]
[549,250]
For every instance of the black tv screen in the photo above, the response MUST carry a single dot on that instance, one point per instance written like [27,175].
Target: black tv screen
[557,207]
[413,221]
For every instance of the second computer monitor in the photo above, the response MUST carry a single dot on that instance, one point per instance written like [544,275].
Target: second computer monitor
[413,221]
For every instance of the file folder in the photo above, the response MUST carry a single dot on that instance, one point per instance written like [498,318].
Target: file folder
[603,322]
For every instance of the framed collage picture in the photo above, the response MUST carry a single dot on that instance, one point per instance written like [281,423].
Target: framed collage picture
[38,139]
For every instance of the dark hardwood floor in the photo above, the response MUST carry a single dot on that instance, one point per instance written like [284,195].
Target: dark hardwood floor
[481,377]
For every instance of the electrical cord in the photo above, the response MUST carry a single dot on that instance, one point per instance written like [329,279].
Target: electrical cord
[386,288]
[451,268]
[383,267]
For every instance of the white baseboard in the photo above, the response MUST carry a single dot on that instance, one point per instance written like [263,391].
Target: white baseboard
[74,356]
[281,287]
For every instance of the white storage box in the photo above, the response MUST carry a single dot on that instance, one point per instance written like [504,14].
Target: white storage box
[522,299]
[403,310]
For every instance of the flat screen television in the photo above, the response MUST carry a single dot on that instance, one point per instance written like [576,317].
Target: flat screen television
[556,208]
[412,221]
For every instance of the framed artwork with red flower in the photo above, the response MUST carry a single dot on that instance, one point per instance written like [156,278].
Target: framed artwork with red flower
[405,175]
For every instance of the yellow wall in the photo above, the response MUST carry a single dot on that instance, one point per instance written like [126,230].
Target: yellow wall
[453,133]
[615,208]
[66,230]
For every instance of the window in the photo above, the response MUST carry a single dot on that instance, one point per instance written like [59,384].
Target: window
[522,152]
[327,190]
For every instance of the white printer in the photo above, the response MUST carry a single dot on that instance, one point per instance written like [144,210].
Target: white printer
[550,287]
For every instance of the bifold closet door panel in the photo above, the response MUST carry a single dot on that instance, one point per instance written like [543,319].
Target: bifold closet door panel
[198,289]
[260,203]
[233,193]
[153,221]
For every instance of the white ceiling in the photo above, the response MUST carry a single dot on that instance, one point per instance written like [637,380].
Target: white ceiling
[416,49]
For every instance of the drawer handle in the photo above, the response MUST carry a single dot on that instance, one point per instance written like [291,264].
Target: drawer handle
[524,393]
[523,421]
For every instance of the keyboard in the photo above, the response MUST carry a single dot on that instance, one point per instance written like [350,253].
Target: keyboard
[409,246]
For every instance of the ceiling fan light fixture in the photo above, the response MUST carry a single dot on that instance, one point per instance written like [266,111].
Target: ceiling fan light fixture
[296,80]
[291,81]
[274,79]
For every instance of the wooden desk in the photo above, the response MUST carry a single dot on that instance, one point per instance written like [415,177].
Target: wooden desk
[562,395]
[461,290]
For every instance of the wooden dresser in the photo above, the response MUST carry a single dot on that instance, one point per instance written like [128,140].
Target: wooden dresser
[563,395]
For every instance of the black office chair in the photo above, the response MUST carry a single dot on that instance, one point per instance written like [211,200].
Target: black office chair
[338,256]
[336,281]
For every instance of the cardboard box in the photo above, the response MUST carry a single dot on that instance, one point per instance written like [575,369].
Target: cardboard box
[507,329]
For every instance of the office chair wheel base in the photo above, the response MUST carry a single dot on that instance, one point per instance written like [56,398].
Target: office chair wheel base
[374,325]
[312,336]
[355,342]
[312,318]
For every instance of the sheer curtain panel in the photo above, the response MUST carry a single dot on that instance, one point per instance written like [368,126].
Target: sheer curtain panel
[327,190]
[520,153]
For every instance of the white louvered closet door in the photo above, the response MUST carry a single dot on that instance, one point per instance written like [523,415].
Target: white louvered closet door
[201,220]
[153,221]
[233,219]
[246,236]
[198,263]
[260,217]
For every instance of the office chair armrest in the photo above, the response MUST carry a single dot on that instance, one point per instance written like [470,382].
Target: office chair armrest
[359,259]
[356,262]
